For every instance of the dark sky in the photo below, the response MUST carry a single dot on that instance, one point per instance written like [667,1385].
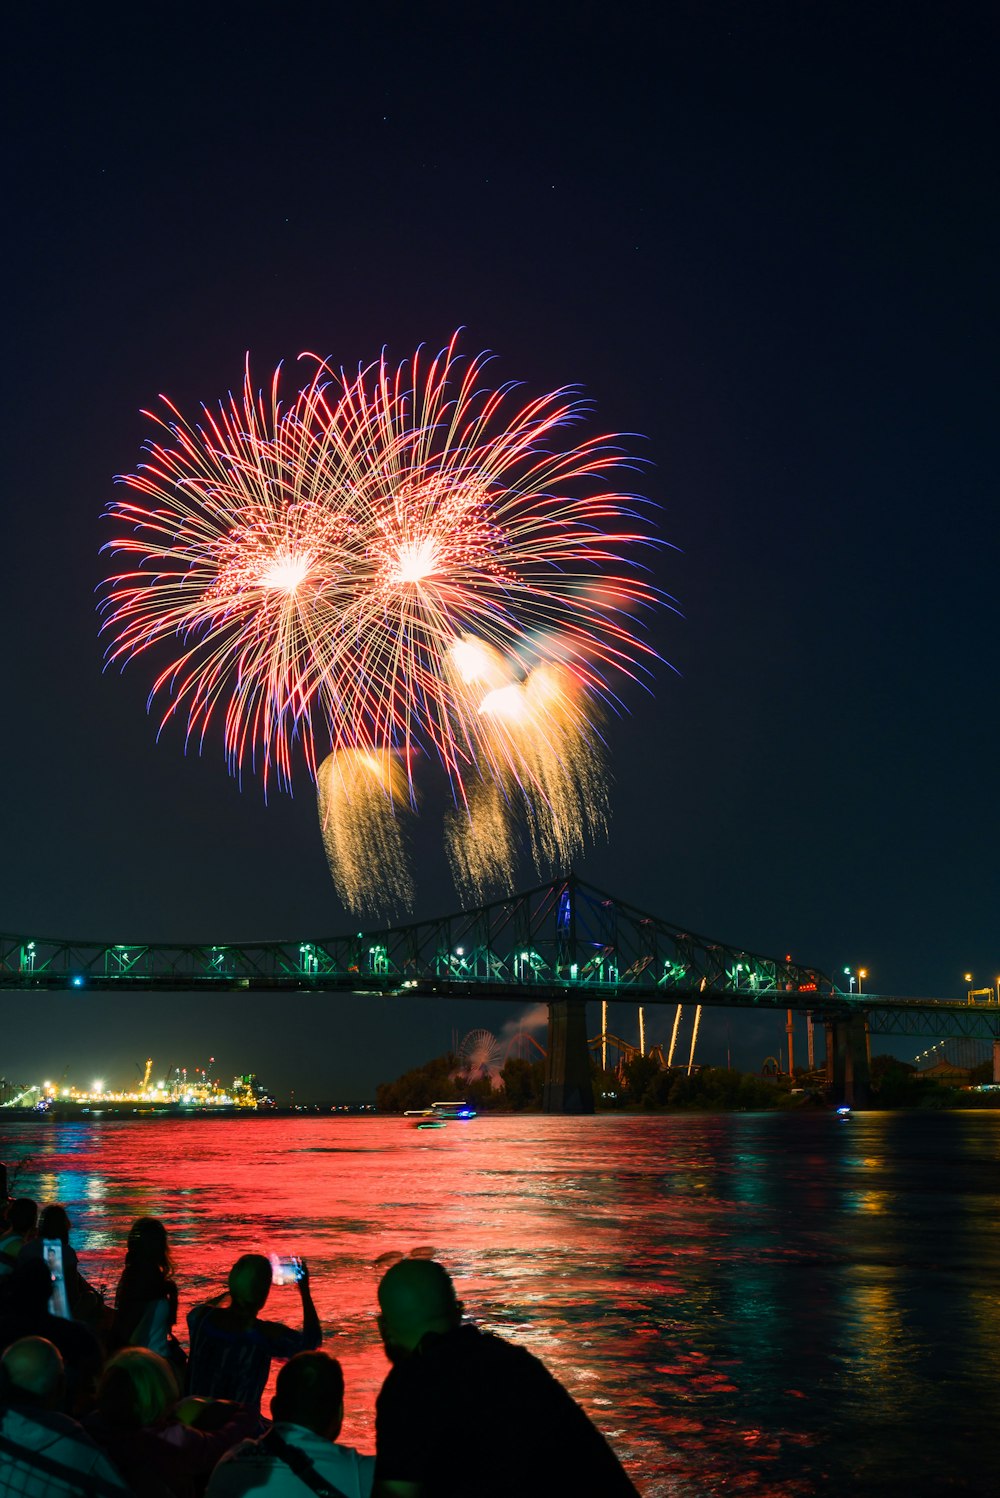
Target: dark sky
[762,236]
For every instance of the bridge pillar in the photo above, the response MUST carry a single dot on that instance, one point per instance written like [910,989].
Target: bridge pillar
[996,1060]
[568,1088]
[849,1073]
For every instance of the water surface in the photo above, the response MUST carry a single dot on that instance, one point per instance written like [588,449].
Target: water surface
[751,1303]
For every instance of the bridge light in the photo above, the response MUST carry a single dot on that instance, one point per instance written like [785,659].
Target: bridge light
[459,951]
[77,982]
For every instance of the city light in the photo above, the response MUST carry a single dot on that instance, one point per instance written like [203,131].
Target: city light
[245,1092]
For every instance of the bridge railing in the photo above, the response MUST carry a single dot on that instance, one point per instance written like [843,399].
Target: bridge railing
[562,935]
[599,968]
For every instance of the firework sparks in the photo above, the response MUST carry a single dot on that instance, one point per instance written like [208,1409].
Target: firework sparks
[539,741]
[362,799]
[480,842]
[398,562]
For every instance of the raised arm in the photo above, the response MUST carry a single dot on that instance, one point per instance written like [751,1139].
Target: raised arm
[312,1332]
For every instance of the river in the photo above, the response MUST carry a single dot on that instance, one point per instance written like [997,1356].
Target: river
[756,1304]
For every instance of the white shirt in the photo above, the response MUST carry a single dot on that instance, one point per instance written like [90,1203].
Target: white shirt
[252,1468]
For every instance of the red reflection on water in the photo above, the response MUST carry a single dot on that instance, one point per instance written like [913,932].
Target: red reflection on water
[712,1290]
[534,1237]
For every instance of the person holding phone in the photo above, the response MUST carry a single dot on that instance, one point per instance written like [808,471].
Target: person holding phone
[73,1296]
[26,1313]
[232,1347]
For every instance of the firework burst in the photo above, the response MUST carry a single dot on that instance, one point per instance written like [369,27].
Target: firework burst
[363,572]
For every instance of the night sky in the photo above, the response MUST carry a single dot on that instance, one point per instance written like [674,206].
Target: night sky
[761,236]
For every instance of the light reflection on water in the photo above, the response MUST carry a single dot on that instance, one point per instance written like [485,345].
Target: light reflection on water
[754,1304]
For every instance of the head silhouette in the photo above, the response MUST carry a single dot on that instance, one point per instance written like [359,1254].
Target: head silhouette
[310,1391]
[54,1222]
[33,1373]
[250,1282]
[31,1286]
[23,1215]
[147,1245]
[137,1388]
[415,1296]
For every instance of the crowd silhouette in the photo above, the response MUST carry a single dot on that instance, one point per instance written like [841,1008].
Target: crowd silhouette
[104,1399]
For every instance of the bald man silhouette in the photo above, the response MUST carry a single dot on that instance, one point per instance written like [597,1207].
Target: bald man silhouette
[44,1451]
[449,1379]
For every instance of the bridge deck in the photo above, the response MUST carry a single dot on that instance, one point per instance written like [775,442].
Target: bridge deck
[562,940]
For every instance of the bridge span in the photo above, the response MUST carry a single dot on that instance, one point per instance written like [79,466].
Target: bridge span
[563,944]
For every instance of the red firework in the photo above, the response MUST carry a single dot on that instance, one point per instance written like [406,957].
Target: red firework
[315,572]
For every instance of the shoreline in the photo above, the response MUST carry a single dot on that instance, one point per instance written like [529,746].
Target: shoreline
[165,1113]
[125,1113]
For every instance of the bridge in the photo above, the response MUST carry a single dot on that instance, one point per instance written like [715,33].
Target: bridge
[563,944]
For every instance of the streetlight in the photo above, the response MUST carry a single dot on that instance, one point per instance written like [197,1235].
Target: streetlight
[851,978]
[862,975]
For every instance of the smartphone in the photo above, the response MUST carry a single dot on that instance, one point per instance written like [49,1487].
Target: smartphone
[53,1255]
[285,1269]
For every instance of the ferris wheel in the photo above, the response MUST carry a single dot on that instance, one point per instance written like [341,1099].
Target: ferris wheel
[480,1052]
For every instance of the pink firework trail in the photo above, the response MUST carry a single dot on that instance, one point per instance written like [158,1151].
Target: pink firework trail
[310,576]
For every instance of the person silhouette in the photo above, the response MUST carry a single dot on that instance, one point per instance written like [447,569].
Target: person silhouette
[447,1378]
[232,1347]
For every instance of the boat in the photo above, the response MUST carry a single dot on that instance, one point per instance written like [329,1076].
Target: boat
[438,1114]
[453,1110]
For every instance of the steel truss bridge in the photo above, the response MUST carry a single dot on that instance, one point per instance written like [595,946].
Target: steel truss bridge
[565,939]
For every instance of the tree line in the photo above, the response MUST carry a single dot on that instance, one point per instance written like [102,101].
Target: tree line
[644,1083]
